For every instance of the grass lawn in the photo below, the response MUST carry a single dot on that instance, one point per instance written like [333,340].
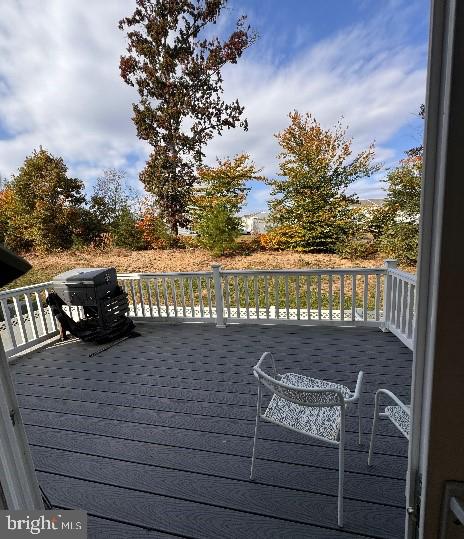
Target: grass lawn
[45,267]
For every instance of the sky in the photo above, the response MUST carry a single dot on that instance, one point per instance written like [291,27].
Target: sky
[363,60]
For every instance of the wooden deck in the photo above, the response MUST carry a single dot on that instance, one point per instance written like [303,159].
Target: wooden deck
[153,437]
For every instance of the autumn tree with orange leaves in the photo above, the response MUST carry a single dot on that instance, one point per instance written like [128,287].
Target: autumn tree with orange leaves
[310,209]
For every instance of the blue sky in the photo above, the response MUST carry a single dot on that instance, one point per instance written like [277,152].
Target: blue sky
[364,60]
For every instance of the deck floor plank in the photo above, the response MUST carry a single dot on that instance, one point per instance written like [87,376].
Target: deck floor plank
[153,437]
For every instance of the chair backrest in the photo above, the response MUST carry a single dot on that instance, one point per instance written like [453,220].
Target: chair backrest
[315,397]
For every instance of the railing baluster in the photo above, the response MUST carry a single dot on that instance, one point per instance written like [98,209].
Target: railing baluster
[330,297]
[174,296]
[377,297]
[247,297]
[19,319]
[365,297]
[134,298]
[142,302]
[308,295]
[353,297]
[31,313]
[319,297]
[255,288]
[8,324]
[297,292]
[192,297]
[227,295]
[394,300]
[200,298]
[399,304]
[41,313]
[266,294]
[342,297]
[277,295]
[165,296]
[157,296]
[287,305]
[52,318]
[404,306]
[182,296]
[410,330]
[149,297]
[208,292]
[237,295]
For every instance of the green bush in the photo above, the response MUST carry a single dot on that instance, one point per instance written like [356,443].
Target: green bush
[357,248]
[314,236]
[219,231]
[125,232]
[401,241]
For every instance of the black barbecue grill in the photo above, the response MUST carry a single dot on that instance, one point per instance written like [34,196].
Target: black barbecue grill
[105,304]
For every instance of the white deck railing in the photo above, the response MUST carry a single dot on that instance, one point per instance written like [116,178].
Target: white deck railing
[381,297]
[400,291]
[25,318]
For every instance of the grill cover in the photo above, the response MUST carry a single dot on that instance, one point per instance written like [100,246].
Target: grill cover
[85,287]
[104,302]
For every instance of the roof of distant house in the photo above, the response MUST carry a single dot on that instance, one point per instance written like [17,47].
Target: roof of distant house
[259,214]
[368,202]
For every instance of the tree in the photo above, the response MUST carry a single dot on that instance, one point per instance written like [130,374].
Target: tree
[400,234]
[176,68]
[218,199]
[310,209]
[43,203]
[7,216]
[396,224]
[417,151]
[111,195]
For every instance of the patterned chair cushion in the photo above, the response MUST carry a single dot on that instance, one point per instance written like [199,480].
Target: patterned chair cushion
[400,418]
[323,422]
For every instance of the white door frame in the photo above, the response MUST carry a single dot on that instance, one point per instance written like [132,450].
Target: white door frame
[438,339]
[17,474]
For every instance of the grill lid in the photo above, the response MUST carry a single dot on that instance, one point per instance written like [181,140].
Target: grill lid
[94,276]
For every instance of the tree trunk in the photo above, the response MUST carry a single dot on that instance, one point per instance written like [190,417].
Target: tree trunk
[174,229]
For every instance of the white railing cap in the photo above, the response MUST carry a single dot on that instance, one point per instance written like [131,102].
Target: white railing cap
[21,290]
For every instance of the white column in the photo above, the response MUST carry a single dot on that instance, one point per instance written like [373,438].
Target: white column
[17,473]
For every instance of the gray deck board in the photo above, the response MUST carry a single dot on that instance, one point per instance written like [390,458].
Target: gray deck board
[153,437]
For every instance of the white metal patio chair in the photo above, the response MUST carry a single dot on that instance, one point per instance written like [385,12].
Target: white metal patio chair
[399,415]
[307,405]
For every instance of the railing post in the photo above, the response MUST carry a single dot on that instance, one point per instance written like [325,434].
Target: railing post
[218,295]
[387,293]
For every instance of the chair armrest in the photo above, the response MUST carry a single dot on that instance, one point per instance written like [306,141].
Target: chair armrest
[257,368]
[393,397]
[357,391]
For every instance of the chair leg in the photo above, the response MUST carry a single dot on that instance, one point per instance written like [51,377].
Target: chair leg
[254,448]
[341,475]
[374,426]
[258,412]
[359,421]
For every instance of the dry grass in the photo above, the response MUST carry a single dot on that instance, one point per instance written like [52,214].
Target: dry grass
[46,266]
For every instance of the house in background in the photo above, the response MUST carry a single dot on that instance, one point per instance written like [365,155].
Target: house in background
[371,203]
[255,223]
[258,222]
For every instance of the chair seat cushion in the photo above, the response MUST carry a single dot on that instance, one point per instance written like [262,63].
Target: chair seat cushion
[400,418]
[323,422]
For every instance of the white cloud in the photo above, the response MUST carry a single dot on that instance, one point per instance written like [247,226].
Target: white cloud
[60,88]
